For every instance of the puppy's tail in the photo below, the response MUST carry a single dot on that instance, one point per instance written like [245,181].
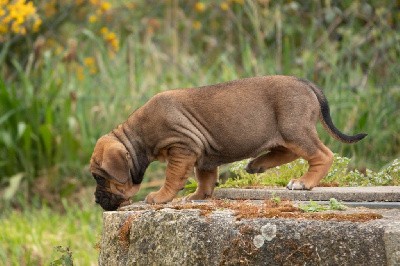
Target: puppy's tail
[326,119]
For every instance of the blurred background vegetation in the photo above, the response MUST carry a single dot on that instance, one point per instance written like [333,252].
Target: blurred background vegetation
[71,70]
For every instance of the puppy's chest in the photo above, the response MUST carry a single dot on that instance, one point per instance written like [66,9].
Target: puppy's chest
[162,155]
[209,162]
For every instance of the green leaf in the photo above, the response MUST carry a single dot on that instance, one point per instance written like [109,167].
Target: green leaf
[4,52]
[313,206]
[13,186]
[65,259]
[363,120]
[190,186]
[21,127]
[27,138]
[334,204]
[7,115]
[47,137]
[6,138]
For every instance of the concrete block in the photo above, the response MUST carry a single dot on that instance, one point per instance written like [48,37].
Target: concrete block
[208,234]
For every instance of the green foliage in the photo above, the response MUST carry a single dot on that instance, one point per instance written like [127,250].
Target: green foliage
[278,176]
[71,80]
[39,132]
[32,120]
[339,174]
[28,236]
[313,206]
[58,94]
[65,259]
[190,186]
[276,199]
[334,204]
[387,176]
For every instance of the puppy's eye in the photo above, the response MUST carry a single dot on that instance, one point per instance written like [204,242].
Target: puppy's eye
[101,181]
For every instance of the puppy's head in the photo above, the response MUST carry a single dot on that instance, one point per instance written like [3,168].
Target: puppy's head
[111,167]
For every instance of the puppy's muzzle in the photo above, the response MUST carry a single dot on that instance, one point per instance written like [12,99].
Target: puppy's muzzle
[107,200]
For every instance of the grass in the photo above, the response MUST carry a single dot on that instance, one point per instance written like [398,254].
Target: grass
[312,206]
[33,236]
[339,175]
[53,109]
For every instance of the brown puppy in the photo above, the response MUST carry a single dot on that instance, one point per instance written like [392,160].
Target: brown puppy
[205,127]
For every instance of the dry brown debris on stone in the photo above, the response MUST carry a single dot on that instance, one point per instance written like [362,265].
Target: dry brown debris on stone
[246,209]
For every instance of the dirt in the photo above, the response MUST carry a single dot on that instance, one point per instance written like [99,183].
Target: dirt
[245,209]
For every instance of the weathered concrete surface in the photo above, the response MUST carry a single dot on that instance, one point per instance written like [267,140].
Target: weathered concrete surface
[358,194]
[143,236]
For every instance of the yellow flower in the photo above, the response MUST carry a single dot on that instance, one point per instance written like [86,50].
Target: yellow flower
[20,11]
[36,25]
[109,35]
[224,6]
[18,16]
[3,28]
[115,44]
[15,27]
[89,61]
[93,19]
[91,64]
[104,30]
[197,25]
[111,38]
[2,10]
[200,7]
[104,6]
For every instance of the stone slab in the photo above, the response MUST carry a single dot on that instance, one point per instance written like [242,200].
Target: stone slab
[355,194]
[140,235]
[366,204]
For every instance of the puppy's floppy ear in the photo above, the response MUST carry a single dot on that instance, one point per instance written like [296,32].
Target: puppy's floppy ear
[115,162]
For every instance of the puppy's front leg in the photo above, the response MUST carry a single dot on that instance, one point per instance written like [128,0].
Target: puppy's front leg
[207,180]
[180,163]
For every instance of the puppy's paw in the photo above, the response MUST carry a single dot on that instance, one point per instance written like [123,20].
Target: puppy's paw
[157,197]
[197,196]
[251,168]
[296,184]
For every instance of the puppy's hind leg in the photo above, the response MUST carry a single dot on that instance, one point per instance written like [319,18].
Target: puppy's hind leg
[207,180]
[277,156]
[180,165]
[319,160]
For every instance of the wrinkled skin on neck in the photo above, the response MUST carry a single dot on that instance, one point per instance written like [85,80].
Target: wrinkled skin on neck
[114,170]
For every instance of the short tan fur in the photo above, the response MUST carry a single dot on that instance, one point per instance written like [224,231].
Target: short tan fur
[270,119]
